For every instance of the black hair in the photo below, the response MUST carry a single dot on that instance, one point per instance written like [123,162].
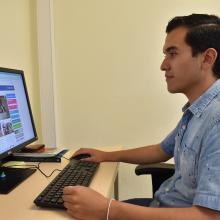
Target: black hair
[203,33]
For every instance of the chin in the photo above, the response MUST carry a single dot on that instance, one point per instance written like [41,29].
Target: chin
[173,90]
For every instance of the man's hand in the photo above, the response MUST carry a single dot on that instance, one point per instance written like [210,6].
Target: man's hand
[84,203]
[95,155]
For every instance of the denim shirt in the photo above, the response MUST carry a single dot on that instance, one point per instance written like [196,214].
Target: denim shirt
[195,145]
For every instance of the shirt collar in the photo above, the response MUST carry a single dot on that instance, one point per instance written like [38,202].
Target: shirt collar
[201,103]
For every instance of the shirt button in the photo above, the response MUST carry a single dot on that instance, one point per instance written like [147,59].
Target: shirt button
[167,189]
[184,127]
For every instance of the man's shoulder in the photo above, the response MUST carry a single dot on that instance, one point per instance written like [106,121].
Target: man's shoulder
[212,111]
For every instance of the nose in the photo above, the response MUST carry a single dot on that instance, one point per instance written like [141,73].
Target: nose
[164,65]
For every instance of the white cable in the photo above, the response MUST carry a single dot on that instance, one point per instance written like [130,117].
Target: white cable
[109,205]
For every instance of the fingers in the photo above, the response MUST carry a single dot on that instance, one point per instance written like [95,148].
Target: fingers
[72,200]
[84,203]
[68,205]
[82,151]
[71,209]
[69,196]
[68,190]
[91,159]
[95,155]
[73,190]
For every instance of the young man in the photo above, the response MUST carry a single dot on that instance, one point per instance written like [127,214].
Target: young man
[192,67]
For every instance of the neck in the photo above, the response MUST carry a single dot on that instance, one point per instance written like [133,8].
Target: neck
[195,93]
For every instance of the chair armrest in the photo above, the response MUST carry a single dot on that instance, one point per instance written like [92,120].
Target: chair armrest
[156,168]
[159,173]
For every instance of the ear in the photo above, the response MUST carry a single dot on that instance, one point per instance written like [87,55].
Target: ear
[209,57]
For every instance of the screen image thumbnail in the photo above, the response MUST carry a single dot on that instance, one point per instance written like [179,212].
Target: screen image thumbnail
[4,112]
[5,122]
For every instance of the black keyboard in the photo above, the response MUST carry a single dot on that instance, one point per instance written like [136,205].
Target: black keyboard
[75,173]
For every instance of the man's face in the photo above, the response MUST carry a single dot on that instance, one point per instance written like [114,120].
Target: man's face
[182,71]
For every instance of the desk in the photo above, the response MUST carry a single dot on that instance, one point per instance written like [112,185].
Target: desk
[18,204]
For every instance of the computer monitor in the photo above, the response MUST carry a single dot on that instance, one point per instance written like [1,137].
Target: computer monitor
[17,127]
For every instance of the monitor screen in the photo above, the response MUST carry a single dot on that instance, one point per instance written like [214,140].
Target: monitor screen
[16,121]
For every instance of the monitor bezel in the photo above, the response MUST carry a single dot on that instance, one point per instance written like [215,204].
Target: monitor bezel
[20,146]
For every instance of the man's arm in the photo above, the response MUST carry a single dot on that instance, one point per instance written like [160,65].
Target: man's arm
[87,204]
[142,155]
[123,211]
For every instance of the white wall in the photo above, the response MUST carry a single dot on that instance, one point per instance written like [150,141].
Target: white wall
[108,55]
[18,43]
[109,88]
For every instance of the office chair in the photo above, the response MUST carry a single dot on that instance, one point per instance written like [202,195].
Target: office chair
[159,173]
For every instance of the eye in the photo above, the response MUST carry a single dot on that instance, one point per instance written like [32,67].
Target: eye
[172,53]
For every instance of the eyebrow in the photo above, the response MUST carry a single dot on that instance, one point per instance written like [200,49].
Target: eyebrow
[168,49]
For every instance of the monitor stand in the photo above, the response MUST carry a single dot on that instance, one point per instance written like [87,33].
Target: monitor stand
[11,177]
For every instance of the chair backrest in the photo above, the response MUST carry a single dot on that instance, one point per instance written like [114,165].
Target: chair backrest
[158,171]
[160,177]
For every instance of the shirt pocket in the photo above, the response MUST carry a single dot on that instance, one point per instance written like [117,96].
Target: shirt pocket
[188,166]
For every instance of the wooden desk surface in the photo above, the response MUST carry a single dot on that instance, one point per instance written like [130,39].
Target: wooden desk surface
[18,204]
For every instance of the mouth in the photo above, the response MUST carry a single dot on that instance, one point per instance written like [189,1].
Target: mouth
[168,77]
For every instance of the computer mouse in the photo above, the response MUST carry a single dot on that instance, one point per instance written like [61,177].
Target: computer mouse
[80,156]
